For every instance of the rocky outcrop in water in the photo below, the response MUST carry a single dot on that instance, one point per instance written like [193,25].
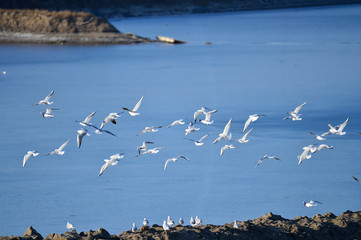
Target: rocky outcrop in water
[62,27]
[346,226]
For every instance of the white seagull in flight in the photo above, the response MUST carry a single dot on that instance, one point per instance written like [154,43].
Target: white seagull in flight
[196,113]
[311,203]
[295,116]
[190,129]
[111,117]
[266,157]
[305,154]
[252,118]
[113,160]
[198,142]
[176,122]
[320,137]
[227,146]
[243,139]
[46,100]
[321,146]
[339,130]
[151,151]
[81,133]
[59,150]
[33,153]
[86,121]
[224,134]
[175,159]
[47,113]
[149,129]
[143,147]
[207,119]
[134,112]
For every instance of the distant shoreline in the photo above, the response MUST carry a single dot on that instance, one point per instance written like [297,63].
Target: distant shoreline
[346,226]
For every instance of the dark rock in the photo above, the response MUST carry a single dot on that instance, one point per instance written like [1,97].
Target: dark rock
[32,233]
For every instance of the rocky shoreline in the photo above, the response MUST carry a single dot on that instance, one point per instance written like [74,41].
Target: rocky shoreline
[60,27]
[346,226]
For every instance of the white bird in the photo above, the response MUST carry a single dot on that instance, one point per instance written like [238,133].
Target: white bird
[143,147]
[311,203]
[86,121]
[175,159]
[111,117]
[321,146]
[134,112]
[45,101]
[134,228]
[165,226]
[176,122]
[151,151]
[113,160]
[170,221]
[180,221]
[235,224]
[149,129]
[224,134]
[339,130]
[196,113]
[295,116]
[252,118]
[207,119]
[266,157]
[198,142]
[33,153]
[243,139]
[145,222]
[69,226]
[305,154]
[81,133]
[198,221]
[190,129]
[59,150]
[320,137]
[192,222]
[227,146]
[47,113]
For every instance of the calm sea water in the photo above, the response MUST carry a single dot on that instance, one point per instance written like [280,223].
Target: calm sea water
[265,62]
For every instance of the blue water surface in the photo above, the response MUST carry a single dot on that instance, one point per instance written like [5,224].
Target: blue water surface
[266,62]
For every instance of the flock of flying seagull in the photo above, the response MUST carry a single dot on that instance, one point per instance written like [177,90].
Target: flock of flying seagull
[294,115]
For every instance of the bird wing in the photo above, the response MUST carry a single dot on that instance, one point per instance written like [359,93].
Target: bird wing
[26,157]
[104,167]
[222,149]
[166,164]
[48,110]
[356,179]
[138,104]
[79,138]
[88,118]
[297,109]
[247,123]
[181,156]
[343,125]
[226,128]
[201,139]
[63,145]
[142,131]
[217,140]
[246,134]
[259,162]
[47,98]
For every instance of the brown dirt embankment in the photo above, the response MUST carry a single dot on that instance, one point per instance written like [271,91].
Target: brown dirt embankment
[61,27]
[346,226]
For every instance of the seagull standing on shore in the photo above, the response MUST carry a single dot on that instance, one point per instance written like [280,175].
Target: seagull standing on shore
[134,227]
[165,225]
[227,146]
[149,129]
[176,122]
[305,154]
[47,113]
[243,139]
[33,153]
[86,121]
[207,119]
[180,221]
[252,118]
[81,133]
[59,150]
[190,129]
[110,118]
[198,142]
[134,112]
[198,221]
[339,130]
[46,100]
[69,226]
[224,134]
[266,157]
[113,160]
[145,222]
[175,159]
[295,116]
[311,203]
[170,221]
[235,224]
[192,222]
